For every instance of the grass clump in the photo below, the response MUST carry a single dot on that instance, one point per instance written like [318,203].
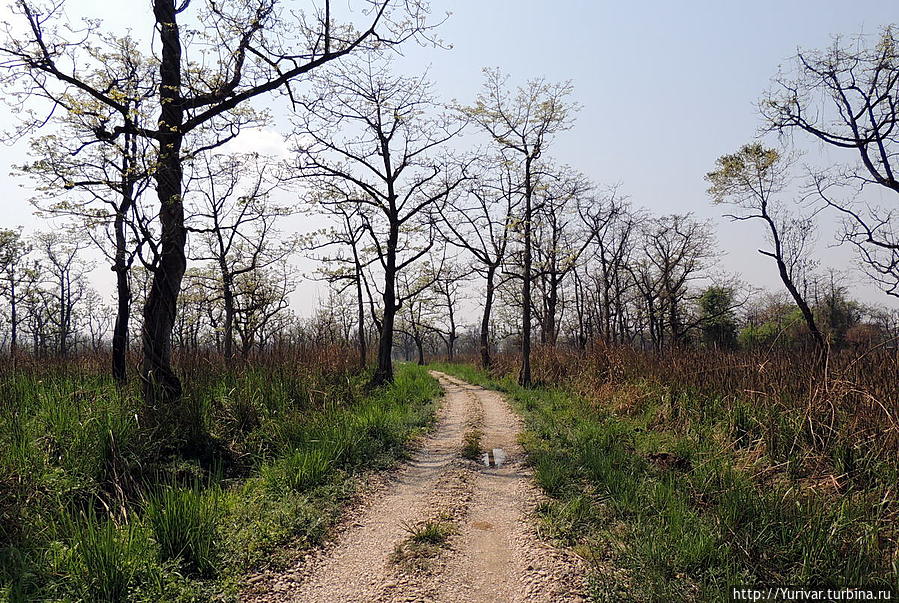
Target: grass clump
[185,523]
[105,561]
[425,540]
[471,444]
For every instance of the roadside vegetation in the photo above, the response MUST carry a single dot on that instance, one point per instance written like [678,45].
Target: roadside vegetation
[96,506]
[679,475]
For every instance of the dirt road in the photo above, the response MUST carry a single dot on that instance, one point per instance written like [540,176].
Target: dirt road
[491,553]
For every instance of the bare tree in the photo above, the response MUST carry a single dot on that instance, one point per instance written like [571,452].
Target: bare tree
[614,227]
[750,180]
[521,125]
[480,222]
[14,273]
[845,96]
[65,270]
[675,249]
[97,319]
[99,181]
[447,289]
[245,49]
[374,133]
[562,232]
[342,270]
[236,221]
[262,298]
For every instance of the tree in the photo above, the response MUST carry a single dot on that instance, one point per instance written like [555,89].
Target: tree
[246,49]
[98,181]
[521,125]
[845,96]
[65,271]
[717,319]
[480,223]
[675,248]
[750,180]
[262,297]
[447,290]
[372,141]
[614,226]
[13,250]
[340,270]
[562,231]
[236,221]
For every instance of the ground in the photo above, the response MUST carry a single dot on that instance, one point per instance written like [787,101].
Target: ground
[443,528]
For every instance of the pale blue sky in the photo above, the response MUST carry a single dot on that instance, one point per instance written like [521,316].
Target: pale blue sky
[666,87]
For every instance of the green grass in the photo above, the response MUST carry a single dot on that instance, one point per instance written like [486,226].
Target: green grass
[95,507]
[425,541]
[185,523]
[690,501]
[471,444]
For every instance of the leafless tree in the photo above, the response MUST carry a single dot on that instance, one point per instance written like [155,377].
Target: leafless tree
[447,298]
[562,232]
[751,180]
[237,224]
[14,274]
[64,269]
[241,50]
[675,250]
[846,97]
[480,223]
[372,137]
[85,175]
[345,267]
[521,125]
[614,227]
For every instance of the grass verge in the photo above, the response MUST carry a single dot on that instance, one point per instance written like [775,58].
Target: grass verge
[92,509]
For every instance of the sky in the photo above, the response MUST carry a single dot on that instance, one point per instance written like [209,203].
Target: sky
[664,87]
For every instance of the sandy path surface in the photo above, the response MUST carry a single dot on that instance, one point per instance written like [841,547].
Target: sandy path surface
[494,554]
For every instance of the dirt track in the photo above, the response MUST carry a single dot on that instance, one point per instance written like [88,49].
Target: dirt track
[493,555]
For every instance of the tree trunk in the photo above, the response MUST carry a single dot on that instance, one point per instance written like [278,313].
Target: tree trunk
[787,280]
[228,297]
[420,346]
[162,387]
[120,267]
[384,371]
[803,306]
[14,320]
[552,303]
[485,319]
[120,329]
[360,300]
[524,377]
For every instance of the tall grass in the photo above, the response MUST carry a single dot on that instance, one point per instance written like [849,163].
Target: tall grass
[696,471]
[96,505]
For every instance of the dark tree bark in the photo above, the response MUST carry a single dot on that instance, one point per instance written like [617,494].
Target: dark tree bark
[384,370]
[485,318]
[161,384]
[524,376]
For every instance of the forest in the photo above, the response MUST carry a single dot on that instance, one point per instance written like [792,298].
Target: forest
[418,281]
